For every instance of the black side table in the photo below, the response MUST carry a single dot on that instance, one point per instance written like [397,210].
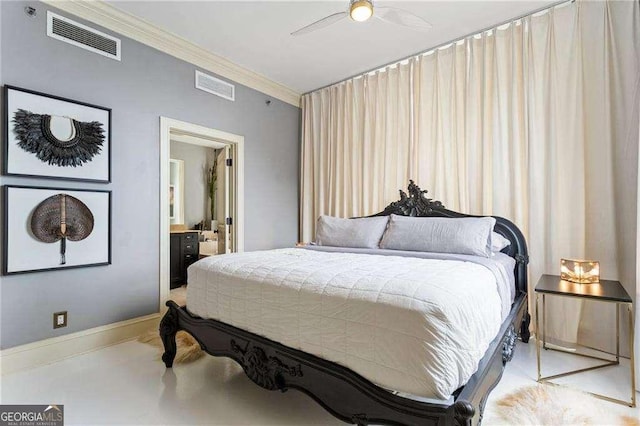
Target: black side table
[604,291]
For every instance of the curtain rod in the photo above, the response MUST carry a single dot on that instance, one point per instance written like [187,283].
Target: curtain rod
[492,27]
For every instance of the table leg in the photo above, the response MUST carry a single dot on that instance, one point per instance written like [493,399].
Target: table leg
[618,332]
[538,334]
[544,327]
[541,343]
[632,359]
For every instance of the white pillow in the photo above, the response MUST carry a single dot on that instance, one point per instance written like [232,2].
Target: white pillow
[469,235]
[498,242]
[363,232]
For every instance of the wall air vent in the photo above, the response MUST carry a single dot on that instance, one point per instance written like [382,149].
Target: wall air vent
[72,32]
[215,86]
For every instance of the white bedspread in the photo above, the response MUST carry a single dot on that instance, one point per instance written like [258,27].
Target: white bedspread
[417,326]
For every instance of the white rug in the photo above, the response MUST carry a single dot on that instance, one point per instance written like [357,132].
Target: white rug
[188,348]
[550,405]
[179,295]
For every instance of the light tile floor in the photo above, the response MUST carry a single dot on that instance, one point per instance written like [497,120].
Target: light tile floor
[126,384]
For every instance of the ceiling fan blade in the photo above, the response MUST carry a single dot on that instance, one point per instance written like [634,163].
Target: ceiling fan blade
[401,17]
[324,22]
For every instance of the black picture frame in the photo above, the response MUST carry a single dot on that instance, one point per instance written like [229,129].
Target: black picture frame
[16,226]
[104,176]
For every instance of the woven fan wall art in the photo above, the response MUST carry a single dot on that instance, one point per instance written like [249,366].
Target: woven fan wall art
[61,217]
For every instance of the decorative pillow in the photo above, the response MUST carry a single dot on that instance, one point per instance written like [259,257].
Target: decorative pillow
[498,242]
[363,232]
[469,235]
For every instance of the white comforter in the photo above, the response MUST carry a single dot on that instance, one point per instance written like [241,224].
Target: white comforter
[417,326]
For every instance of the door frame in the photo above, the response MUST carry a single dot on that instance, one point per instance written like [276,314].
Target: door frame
[205,134]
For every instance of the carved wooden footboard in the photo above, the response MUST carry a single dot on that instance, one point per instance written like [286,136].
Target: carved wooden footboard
[344,393]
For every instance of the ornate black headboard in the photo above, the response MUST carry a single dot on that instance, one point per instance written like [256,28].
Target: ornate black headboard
[417,204]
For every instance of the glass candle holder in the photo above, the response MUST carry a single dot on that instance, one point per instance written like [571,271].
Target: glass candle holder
[580,271]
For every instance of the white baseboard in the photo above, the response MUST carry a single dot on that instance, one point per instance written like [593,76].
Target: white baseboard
[58,348]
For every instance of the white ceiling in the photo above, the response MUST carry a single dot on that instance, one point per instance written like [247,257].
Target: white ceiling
[256,34]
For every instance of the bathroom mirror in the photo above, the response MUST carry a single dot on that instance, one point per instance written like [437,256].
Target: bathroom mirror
[176,191]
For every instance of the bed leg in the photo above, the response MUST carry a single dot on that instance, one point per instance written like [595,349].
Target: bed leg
[463,413]
[168,330]
[524,328]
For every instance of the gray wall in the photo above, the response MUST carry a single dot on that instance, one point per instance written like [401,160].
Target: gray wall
[145,85]
[197,161]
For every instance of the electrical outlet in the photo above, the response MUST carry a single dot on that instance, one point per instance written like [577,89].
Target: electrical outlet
[59,319]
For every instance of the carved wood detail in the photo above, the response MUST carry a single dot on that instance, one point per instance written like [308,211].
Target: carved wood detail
[415,203]
[509,344]
[483,403]
[463,413]
[265,371]
[360,419]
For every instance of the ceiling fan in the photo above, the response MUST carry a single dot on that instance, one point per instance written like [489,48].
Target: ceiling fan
[362,10]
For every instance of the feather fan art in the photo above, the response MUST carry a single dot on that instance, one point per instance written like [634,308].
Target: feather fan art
[34,135]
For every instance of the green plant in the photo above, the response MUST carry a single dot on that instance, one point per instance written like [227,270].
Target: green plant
[212,179]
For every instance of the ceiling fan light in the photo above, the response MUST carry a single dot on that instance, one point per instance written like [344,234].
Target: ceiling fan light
[361,10]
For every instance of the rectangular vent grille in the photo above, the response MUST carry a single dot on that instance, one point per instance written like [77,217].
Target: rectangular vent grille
[215,86]
[69,31]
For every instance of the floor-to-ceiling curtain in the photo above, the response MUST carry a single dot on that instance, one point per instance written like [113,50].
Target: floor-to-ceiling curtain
[611,74]
[356,145]
[637,299]
[527,121]
[500,129]
[637,253]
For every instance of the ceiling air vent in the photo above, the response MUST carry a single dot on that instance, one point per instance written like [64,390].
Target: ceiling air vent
[69,31]
[215,86]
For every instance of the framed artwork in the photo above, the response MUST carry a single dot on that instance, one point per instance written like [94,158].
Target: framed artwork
[55,228]
[52,137]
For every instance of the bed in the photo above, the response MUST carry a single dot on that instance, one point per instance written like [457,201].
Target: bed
[370,335]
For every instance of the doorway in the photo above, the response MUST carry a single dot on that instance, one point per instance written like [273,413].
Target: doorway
[225,214]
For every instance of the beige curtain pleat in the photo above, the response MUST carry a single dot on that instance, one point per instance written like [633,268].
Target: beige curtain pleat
[529,122]
[356,135]
[612,95]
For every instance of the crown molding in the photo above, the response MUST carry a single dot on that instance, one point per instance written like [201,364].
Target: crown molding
[116,20]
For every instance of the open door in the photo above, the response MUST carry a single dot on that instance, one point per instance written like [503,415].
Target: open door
[223,200]
[228,181]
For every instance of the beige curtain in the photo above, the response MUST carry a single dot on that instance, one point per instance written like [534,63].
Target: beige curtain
[637,251]
[525,122]
[356,146]
[486,114]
